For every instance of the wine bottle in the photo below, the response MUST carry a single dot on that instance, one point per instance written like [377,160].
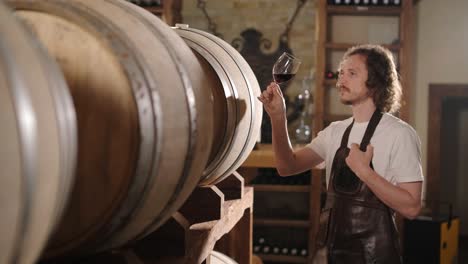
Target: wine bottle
[266,249]
[284,251]
[293,251]
[256,248]
[276,250]
[261,241]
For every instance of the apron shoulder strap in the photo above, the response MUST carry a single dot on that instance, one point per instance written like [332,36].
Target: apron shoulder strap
[344,139]
[374,121]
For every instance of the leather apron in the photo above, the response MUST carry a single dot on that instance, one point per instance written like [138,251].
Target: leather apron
[355,226]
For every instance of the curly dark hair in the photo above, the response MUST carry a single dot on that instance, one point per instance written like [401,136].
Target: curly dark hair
[382,80]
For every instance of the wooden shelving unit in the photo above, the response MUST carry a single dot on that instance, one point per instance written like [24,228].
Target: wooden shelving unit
[263,157]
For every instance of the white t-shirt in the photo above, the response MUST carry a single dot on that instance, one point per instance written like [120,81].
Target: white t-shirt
[397,148]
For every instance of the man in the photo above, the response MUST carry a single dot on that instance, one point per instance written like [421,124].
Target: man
[372,160]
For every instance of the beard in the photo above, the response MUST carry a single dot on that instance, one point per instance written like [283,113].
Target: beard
[346,102]
[354,100]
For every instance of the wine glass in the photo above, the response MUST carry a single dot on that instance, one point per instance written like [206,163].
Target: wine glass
[285,68]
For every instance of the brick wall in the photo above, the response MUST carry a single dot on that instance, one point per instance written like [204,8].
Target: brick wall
[267,16]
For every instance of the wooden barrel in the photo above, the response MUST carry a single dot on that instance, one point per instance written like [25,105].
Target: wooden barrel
[38,143]
[238,113]
[144,135]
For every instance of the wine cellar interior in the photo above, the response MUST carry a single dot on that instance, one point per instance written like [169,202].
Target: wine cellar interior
[132,131]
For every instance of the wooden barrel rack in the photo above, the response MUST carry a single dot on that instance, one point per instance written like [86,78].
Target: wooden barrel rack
[216,217]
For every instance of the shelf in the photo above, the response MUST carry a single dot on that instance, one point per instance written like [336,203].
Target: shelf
[364,10]
[283,258]
[345,46]
[281,222]
[330,82]
[263,157]
[280,188]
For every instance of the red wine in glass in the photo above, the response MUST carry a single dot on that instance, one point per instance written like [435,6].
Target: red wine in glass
[285,68]
[282,77]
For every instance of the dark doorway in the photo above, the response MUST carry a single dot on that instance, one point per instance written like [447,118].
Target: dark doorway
[447,164]
[454,157]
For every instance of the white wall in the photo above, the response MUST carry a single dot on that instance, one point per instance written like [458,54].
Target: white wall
[441,47]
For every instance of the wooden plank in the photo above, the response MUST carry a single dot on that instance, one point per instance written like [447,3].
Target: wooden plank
[237,244]
[321,39]
[406,57]
[263,156]
[318,125]
[345,46]
[364,10]
[281,222]
[203,235]
[281,188]
[283,258]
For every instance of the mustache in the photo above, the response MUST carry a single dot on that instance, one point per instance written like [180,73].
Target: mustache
[340,86]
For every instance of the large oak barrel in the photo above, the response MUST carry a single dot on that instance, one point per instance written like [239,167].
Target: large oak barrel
[37,143]
[238,113]
[144,134]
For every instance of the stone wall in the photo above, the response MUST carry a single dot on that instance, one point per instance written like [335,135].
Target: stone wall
[270,17]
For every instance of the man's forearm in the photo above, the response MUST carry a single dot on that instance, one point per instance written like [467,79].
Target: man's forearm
[284,154]
[393,196]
